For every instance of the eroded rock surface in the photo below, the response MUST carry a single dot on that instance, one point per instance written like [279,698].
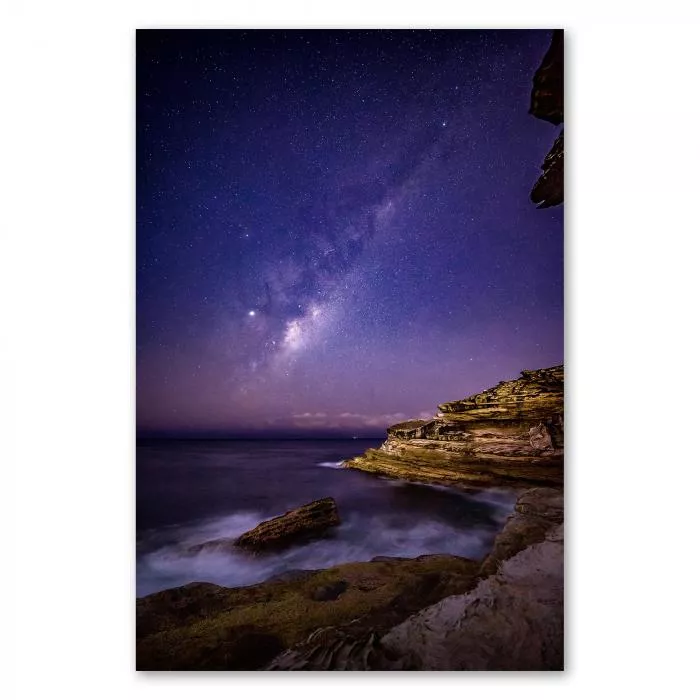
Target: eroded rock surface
[510,433]
[429,613]
[513,619]
[535,513]
[303,523]
[311,519]
[202,626]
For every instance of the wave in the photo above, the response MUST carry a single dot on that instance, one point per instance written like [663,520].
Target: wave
[359,538]
[331,465]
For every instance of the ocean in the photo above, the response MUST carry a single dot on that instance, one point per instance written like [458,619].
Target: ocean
[191,491]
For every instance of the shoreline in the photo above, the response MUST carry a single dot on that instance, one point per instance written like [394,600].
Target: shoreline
[457,489]
[503,611]
[204,626]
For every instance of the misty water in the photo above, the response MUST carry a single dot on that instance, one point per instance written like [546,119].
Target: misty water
[191,491]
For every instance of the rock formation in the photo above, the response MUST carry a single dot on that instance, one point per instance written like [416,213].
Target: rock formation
[428,613]
[535,513]
[511,620]
[511,434]
[547,97]
[548,191]
[547,102]
[202,626]
[308,521]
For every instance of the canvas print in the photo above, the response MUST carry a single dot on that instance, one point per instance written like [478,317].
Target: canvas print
[349,350]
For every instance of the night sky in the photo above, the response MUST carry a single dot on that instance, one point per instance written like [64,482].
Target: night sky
[334,230]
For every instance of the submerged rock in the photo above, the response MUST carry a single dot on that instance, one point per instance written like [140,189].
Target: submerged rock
[301,524]
[310,520]
[512,433]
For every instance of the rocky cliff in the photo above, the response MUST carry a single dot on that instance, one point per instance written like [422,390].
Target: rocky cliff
[547,103]
[512,433]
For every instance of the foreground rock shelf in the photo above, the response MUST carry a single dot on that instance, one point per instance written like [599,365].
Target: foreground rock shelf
[202,626]
[513,432]
[431,612]
[511,619]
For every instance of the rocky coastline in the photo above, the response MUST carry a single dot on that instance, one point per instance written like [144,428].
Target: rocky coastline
[434,612]
[511,618]
[428,613]
[512,433]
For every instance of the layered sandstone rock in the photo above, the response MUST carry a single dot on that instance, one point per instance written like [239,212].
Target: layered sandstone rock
[511,434]
[303,523]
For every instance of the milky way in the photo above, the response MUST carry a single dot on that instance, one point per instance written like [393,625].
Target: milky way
[333,228]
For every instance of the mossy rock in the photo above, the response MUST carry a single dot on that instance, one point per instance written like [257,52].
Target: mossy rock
[207,627]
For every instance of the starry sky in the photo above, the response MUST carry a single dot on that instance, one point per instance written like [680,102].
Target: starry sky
[334,231]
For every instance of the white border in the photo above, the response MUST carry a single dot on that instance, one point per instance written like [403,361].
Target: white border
[67,340]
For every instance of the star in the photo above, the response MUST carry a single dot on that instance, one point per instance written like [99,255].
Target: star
[367,239]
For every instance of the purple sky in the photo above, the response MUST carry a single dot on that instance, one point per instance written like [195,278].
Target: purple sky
[333,228]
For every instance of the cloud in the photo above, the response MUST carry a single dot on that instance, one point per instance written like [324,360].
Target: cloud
[381,420]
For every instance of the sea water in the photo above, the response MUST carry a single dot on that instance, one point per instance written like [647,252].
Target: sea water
[191,491]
